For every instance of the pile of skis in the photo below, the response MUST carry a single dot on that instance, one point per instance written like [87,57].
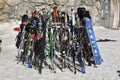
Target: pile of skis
[53,36]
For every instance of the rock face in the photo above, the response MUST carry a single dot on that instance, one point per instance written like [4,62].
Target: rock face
[13,2]
[2,4]
[24,8]
[16,8]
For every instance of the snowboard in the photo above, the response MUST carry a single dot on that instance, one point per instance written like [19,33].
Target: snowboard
[93,44]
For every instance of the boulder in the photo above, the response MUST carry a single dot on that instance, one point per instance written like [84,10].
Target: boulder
[25,8]
[14,2]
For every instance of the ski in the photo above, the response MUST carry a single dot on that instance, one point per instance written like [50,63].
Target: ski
[51,46]
[16,29]
[74,36]
[80,56]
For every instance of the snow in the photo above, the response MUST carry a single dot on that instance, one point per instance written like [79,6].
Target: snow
[10,70]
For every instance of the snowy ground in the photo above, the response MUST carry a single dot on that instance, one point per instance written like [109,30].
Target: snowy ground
[110,52]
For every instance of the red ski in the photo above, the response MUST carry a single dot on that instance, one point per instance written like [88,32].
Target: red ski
[16,29]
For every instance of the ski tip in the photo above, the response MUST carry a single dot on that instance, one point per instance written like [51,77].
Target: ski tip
[16,29]
[95,66]
[29,65]
[118,71]
[54,71]
[75,72]
[63,70]
[40,72]
[83,72]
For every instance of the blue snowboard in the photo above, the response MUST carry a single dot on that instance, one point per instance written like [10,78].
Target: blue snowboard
[95,51]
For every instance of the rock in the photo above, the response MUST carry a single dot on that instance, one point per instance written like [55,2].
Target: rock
[7,9]
[2,3]
[14,2]
[98,5]
[2,16]
[94,11]
[25,8]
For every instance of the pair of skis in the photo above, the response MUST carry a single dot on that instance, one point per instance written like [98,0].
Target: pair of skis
[79,53]
[51,46]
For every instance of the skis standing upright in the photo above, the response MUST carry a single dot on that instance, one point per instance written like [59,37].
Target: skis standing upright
[80,55]
[77,44]
[73,34]
[51,46]
[21,46]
